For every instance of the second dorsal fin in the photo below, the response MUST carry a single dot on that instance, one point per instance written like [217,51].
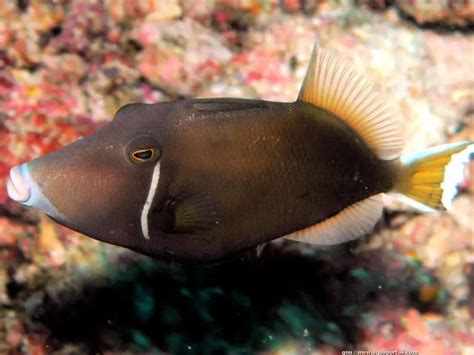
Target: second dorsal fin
[334,85]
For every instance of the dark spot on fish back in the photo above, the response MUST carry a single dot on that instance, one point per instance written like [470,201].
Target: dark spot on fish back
[228,105]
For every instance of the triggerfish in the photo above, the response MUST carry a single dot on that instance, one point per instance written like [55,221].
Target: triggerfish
[204,179]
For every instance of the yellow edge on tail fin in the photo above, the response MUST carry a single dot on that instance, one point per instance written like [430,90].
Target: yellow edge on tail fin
[430,179]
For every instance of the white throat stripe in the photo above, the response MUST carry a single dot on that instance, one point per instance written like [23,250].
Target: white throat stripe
[151,194]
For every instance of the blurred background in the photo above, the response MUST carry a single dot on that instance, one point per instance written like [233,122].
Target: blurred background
[66,66]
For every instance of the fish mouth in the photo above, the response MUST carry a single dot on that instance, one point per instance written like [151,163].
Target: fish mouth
[23,188]
[17,187]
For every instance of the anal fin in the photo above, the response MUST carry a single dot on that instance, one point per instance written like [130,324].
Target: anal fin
[350,223]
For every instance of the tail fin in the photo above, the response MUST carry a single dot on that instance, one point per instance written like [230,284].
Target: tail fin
[430,179]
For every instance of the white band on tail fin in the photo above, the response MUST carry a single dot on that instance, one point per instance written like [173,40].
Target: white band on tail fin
[454,175]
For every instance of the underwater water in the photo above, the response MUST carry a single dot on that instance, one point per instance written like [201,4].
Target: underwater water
[66,67]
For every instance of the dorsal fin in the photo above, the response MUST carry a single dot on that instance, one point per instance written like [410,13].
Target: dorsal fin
[334,85]
[352,222]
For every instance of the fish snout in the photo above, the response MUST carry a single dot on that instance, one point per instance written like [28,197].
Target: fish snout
[17,186]
[22,187]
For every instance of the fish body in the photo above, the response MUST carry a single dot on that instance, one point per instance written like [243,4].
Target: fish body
[206,178]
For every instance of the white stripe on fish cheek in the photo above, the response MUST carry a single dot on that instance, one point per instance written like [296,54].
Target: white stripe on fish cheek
[151,194]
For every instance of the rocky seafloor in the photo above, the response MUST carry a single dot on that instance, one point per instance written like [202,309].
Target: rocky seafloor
[67,66]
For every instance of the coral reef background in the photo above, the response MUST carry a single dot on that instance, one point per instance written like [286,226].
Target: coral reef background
[66,66]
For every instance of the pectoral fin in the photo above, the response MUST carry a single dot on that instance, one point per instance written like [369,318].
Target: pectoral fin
[186,214]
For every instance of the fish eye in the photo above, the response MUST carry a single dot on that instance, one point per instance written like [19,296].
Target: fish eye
[144,155]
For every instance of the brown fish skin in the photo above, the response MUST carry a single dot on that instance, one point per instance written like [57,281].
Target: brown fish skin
[272,171]
[260,169]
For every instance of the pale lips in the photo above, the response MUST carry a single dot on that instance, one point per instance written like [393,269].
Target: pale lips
[17,188]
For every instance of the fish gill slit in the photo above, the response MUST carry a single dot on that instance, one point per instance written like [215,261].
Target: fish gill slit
[149,200]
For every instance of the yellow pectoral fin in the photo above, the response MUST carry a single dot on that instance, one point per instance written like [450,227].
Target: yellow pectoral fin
[195,212]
